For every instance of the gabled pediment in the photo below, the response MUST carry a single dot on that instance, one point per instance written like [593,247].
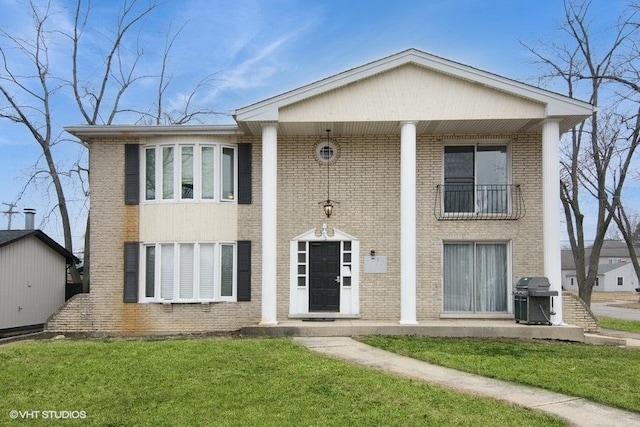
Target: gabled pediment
[411,92]
[413,85]
[325,233]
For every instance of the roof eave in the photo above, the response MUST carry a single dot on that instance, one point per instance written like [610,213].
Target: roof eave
[89,132]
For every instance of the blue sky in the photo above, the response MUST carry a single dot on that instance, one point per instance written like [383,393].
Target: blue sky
[261,48]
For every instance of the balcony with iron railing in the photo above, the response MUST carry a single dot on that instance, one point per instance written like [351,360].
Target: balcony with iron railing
[460,201]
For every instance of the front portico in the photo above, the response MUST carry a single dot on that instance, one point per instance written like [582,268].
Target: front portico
[393,119]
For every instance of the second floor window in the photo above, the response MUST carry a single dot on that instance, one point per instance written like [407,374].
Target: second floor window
[189,172]
[476,179]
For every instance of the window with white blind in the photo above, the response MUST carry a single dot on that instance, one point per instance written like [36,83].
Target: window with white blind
[188,272]
[189,172]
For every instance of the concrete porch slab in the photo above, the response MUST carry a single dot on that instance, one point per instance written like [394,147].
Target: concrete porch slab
[437,328]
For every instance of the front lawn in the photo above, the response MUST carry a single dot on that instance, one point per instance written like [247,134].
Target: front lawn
[604,374]
[619,324]
[223,382]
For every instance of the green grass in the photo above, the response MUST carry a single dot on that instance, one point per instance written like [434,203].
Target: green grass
[226,382]
[604,374]
[619,324]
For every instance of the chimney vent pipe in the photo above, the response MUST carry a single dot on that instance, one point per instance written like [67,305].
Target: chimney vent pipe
[29,218]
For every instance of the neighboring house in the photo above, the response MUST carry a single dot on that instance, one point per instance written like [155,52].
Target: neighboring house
[33,270]
[431,162]
[615,271]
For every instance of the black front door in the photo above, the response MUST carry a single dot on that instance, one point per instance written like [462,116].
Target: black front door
[324,276]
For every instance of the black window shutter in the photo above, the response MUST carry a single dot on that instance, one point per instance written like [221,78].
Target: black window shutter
[244,174]
[130,272]
[244,270]
[131,174]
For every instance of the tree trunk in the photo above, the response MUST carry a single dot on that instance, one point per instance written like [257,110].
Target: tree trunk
[86,267]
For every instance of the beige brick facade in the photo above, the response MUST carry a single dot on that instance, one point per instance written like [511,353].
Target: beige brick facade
[442,101]
[365,180]
[112,224]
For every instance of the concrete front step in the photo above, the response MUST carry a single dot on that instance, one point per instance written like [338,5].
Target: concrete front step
[442,328]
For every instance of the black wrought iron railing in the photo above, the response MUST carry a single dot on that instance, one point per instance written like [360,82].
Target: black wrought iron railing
[468,201]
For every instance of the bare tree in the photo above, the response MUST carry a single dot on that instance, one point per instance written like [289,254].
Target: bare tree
[627,75]
[595,161]
[28,98]
[98,93]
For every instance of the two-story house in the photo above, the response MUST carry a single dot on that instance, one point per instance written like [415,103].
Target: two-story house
[615,270]
[410,188]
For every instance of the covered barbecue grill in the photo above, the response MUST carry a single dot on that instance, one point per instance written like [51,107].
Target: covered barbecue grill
[532,301]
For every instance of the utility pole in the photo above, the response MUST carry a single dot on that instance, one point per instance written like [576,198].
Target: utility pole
[10,212]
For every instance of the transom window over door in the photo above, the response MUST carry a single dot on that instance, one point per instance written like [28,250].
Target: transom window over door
[476,179]
[475,277]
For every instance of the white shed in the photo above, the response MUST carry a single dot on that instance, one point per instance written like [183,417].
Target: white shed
[33,269]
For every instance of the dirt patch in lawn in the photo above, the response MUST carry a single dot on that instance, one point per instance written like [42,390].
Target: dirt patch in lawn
[635,305]
[622,297]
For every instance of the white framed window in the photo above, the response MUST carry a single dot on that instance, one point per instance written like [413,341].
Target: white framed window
[475,277]
[476,178]
[188,272]
[302,263]
[189,172]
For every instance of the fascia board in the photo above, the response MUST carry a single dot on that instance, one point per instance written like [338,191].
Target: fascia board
[97,131]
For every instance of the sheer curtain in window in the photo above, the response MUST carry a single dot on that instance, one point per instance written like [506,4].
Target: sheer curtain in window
[458,277]
[491,277]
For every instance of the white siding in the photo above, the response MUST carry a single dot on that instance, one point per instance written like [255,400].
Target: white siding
[629,279]
[32,283]
[412,93]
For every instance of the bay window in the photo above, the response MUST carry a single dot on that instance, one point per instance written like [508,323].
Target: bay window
[188,272]
[193,172]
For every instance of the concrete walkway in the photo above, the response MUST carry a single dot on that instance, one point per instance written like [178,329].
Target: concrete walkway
[577,411]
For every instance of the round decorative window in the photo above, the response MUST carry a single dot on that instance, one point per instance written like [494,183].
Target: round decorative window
[326,152]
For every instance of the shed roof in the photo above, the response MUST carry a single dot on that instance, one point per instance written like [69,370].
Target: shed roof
[8,237]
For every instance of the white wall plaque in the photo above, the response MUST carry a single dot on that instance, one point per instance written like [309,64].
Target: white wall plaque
[375,264]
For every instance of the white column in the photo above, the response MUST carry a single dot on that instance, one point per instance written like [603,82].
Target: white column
[551,212]
[269,223]
[408,223]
